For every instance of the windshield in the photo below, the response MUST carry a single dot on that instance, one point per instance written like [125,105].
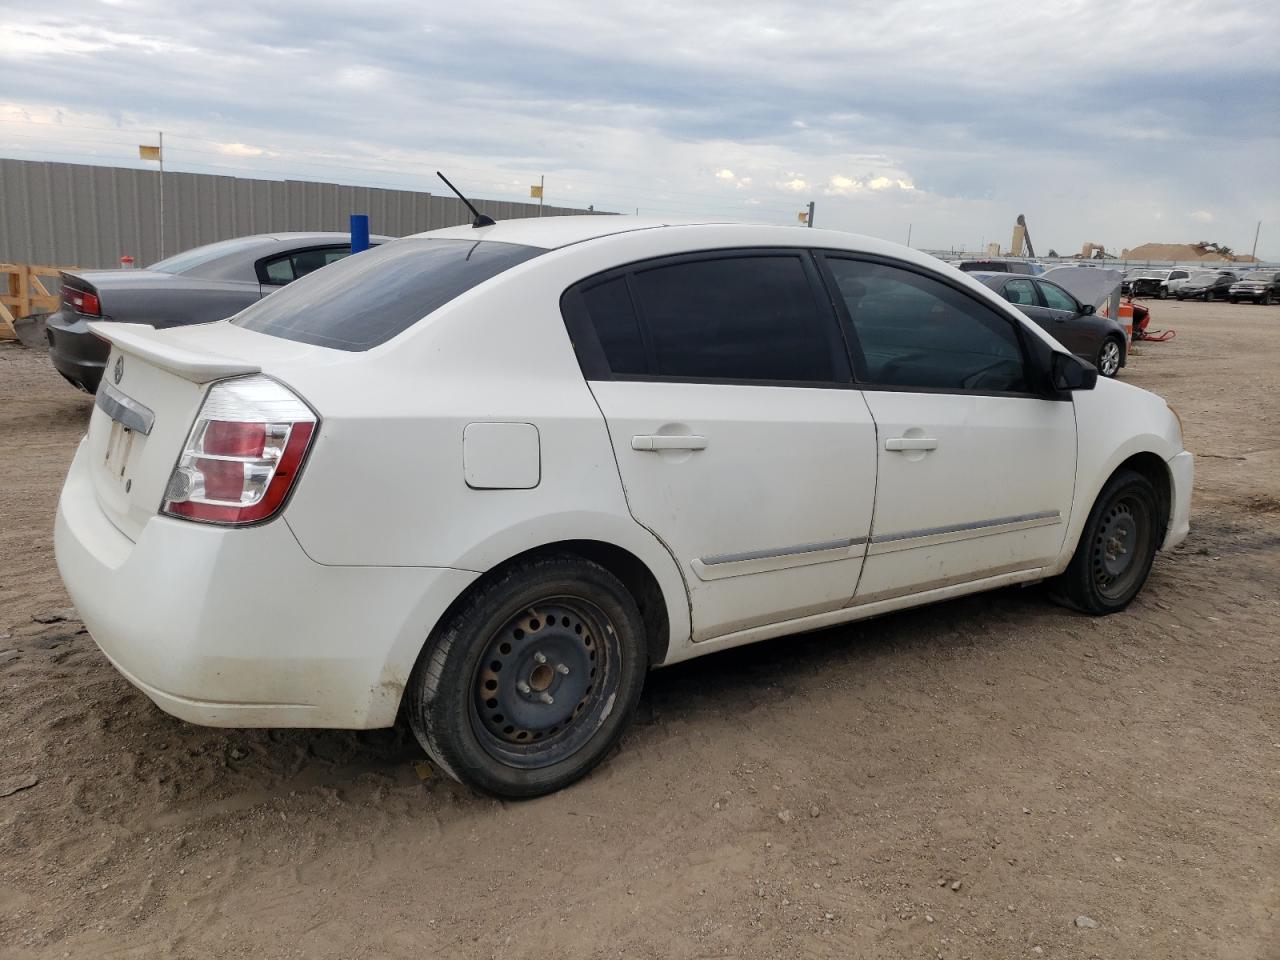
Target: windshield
[198,256]
[1259,275]
[369,297]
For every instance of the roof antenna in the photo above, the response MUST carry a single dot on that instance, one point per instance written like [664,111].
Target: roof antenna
[481,220]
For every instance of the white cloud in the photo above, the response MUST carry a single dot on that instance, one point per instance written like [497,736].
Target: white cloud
[1201,216]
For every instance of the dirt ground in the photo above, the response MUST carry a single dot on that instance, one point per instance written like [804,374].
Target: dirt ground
[959,781]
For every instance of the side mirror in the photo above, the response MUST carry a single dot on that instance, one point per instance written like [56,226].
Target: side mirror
[1087,309]
[1071,373]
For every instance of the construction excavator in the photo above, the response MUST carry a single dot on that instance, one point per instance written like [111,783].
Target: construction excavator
[1021,237]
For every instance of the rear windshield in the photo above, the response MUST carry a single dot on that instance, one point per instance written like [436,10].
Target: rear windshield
[188,260]
[368,298]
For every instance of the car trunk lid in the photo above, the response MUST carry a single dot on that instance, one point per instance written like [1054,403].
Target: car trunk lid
[152,390]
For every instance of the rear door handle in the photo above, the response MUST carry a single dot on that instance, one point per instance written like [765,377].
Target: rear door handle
[668,442]
[911,443]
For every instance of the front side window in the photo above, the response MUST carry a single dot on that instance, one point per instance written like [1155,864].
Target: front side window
[736,318]
[1058,299]
[916,332]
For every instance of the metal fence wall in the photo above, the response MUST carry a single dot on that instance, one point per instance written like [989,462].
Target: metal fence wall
[70,214]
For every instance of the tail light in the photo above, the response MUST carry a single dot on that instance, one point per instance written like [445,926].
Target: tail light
[243,454]
[82,301]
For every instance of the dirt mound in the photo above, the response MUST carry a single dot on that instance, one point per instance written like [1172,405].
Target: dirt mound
[1180,251]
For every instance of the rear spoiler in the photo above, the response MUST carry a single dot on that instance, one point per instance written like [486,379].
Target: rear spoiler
[144,341]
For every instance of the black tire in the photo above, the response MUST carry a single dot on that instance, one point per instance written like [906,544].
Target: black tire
[1162,294]
[1266,299]
[1116,548]
[1208,296]
[1234,299]
[552,627]
[1110,357]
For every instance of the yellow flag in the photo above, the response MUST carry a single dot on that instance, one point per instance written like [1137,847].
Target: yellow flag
[803,216]
[148,153]
[535,192]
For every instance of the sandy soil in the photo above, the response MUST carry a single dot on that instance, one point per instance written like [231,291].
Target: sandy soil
[959,781]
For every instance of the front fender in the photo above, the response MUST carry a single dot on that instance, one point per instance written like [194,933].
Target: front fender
[1114,421]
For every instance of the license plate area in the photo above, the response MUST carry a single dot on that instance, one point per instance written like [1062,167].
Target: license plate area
[119,447]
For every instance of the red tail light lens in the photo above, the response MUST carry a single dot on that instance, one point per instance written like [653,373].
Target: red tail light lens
[243,455]
[81,301]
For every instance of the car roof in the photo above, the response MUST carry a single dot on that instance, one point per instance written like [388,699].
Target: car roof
[551,233]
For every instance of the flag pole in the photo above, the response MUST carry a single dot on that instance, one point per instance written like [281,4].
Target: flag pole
[161,132]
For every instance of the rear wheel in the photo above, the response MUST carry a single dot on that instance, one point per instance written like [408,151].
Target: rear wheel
[1116,549]
[1163,293]
[1266,299]
[1109,356]
[1208,296]
[526,686]
[1234,299]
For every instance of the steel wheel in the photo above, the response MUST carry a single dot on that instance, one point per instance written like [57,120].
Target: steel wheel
[544,681]
[1109,358]
[1121,540]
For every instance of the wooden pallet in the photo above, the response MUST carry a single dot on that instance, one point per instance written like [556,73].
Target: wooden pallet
[22,293]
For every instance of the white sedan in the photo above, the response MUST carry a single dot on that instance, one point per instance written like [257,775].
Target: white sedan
[494,474]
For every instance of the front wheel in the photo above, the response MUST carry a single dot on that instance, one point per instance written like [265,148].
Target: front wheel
[1233,299]
[526,687]
[1109,355]
[1266,299]
[1208,296]
[1162,294]
[1116,548]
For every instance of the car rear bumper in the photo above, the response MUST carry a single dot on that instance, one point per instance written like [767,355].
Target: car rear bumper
[238,627]
[76,353]
[1181,475]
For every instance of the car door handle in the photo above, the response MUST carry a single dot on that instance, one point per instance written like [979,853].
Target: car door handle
[668,442]
[911,443]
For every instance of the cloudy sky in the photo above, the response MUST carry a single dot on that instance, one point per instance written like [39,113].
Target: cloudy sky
[1116,122]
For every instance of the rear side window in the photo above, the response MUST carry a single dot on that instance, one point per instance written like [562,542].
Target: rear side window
[917,332]
[291,266]
[366,299]
[735,318]
[1020,292]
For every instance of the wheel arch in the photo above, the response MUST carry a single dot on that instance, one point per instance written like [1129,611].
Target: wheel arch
[1156,470]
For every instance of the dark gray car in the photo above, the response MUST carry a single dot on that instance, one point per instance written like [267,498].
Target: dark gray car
[196,286]
[1077,326]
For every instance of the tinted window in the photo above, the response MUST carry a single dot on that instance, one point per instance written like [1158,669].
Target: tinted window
[1057,299]
[1020,292]
[368,298]
[279,270]
[737,318]
[614,319]
[914,331]
[197,257]
[288,268]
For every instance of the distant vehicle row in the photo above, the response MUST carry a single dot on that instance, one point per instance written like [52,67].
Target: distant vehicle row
[1258,286]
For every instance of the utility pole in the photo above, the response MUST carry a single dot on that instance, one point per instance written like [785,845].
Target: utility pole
[810,220]
[909,234]
[542,189]
[1255,240]
[161,132]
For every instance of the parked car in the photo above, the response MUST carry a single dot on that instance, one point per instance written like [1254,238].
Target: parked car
[1206,285]
[1259,286]
[1000,265]
[1152,283]
[196,286]
[493,475]
[1077,326]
